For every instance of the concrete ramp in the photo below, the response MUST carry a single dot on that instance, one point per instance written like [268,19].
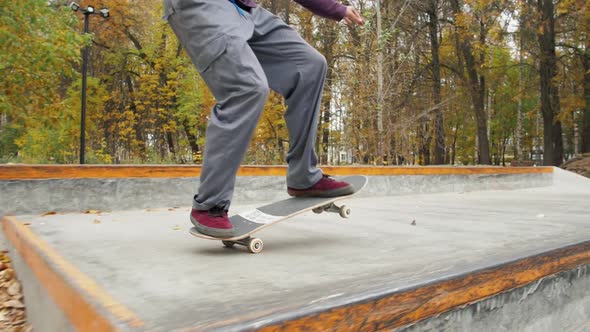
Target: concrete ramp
[426,249]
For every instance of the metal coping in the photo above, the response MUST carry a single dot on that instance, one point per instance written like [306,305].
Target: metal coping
[41,172]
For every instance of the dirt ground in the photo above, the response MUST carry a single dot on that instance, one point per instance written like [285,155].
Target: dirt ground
[579,165]
[12,308]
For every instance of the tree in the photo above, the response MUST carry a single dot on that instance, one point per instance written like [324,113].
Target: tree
[552,132]
[39,49]
[476,85]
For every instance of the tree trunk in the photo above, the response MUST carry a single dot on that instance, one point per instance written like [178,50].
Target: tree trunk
[476,87]
[330,37]
[192,140]
[585,121]
[552,135]
[380,143]
[439,134]
[519,118]
[170,141]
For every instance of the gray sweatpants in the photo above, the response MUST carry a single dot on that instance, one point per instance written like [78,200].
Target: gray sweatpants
[240,55]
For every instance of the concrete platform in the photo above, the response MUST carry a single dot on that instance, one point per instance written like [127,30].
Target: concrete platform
[464,260]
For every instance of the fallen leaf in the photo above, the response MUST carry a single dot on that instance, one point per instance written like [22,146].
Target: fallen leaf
[27,223]
[8,274]
[18,322]
[413,223]
[96,221]
[16,316]
[14,289]
[13,304]
[50,213]
[92,212]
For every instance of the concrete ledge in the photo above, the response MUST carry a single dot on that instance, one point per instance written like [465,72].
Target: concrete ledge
[32,189]
[560,302]
[85,305]
[82,305]
[401,307]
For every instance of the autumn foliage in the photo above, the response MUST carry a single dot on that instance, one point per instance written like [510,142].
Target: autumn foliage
[423,82]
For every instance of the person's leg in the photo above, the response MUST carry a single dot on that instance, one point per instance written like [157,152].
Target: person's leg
[297,71]
[215,35]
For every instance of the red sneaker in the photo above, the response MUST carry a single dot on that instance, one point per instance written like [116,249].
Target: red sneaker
[326,187]
[213,222]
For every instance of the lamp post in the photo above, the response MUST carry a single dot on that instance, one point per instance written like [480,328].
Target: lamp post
[89,10]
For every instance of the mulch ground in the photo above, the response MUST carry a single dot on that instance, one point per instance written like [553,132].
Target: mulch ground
[579,165]
[12,308]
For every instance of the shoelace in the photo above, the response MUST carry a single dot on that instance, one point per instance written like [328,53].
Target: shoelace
[217,212]
[328,177]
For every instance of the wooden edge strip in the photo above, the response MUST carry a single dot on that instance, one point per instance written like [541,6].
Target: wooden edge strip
[36,172]
[404,307]
[57,276]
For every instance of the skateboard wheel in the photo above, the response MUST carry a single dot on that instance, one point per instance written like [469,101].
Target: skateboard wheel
[228,244]
[255,245]
[344,211]
[318,210]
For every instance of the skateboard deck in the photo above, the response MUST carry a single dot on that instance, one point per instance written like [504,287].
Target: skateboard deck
[250,222]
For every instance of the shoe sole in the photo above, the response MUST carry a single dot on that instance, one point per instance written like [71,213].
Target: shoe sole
[214,232]
[348,190]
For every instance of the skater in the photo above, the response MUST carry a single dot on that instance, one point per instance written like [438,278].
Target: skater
[241,51]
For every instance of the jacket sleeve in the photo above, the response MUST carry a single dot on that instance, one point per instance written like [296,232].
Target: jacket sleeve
[325,8]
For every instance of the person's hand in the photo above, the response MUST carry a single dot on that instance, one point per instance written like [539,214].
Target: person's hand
[353,17]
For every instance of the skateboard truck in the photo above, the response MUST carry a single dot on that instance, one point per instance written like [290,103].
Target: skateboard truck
[343,210]
[254,245]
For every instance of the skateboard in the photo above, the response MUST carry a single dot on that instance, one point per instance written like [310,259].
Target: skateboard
[250,222]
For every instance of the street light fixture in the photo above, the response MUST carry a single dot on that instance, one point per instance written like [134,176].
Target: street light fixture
[89,10]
